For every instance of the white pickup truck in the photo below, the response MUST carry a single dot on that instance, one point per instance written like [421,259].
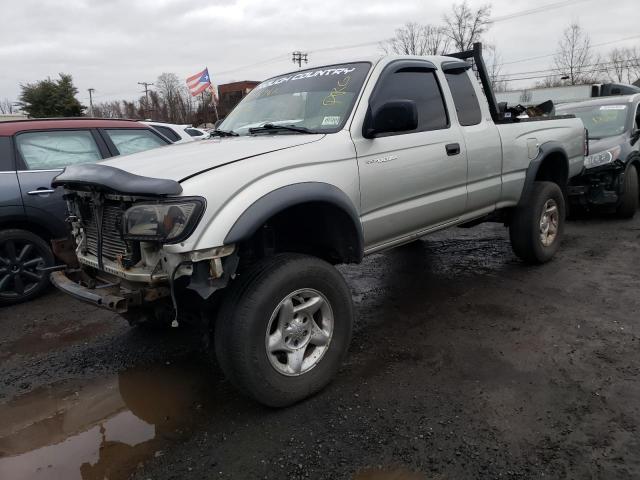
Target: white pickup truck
[314,168]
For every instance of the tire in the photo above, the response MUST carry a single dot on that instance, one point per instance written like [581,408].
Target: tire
[630,198]
[21,253]
[256,310]
[526,228]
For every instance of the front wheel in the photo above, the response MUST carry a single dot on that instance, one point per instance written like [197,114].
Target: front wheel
[629,201]
[284,328]
[536,228]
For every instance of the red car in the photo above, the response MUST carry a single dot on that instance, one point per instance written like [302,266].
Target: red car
[32,213]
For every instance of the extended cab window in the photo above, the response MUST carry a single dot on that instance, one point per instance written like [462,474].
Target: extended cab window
[57,149]
[421,86]
[132,140]
[464,97]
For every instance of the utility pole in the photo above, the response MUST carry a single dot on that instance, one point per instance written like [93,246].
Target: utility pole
[91,90]
[146,96]
[299,57]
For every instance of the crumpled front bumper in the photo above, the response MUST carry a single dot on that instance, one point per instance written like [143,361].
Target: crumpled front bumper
[109,297]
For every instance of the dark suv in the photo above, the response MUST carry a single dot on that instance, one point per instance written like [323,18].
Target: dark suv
[32,213]
[611,176]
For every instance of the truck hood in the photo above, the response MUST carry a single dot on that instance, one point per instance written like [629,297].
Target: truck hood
[182,161]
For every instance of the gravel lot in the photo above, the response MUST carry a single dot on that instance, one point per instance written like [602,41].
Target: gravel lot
[464,364]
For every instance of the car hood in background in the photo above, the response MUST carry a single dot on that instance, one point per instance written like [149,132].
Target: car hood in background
[178,162]
[602,144]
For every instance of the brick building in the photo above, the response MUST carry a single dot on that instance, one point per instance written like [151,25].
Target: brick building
[230,94]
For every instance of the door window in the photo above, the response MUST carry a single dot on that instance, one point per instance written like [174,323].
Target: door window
[132,140]
[57,149]
[421,86]
[464,97]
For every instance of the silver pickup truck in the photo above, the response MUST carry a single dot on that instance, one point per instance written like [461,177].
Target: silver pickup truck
[313,168]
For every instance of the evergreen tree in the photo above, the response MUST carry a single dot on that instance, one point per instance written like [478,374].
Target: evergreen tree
[51,98]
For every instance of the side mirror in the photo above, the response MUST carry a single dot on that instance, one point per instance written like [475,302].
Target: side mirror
[392,116]
[635,136]
[218,122]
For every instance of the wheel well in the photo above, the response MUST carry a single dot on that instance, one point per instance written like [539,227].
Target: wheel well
[554,168]
[28,226]
[320,229]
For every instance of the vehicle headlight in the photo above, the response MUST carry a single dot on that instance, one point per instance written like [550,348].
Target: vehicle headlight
[164,222]
[601,158]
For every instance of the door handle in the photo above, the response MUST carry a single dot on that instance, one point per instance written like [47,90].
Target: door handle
[41,191]
[452,148]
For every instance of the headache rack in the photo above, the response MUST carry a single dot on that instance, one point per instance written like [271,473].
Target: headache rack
[480,69]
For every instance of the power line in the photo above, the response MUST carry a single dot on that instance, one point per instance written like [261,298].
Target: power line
[531,11]
[549,70]
[552,54]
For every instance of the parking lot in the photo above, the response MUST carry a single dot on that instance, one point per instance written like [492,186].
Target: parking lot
[464,364]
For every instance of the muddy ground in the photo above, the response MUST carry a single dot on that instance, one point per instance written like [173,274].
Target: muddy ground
[464,364]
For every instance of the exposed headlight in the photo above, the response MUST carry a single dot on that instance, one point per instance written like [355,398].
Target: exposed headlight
[164,222]
[601,158]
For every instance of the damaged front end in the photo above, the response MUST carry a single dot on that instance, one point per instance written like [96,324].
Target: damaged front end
[120,227]
[601,183]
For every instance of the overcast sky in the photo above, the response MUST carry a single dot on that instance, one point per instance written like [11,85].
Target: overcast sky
[110,45]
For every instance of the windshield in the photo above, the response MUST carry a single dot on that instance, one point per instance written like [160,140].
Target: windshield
[318,99]
[601,120]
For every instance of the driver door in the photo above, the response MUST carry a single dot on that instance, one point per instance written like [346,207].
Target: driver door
[411,181]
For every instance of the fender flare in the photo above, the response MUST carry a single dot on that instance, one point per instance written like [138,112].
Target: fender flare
[546,149]
[279,200]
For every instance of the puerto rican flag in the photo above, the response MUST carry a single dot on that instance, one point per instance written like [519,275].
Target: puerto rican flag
[199,82]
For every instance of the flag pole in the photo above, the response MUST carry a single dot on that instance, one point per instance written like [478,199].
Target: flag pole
[204,108]
[215,106]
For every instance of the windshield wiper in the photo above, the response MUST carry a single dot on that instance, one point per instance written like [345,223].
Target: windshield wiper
[271,127]
[223,133]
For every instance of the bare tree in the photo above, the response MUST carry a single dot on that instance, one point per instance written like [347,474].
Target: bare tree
[6,106]
[574,58]
[465,26]
[623,65]
[108,110]
[493,61]
[415,39]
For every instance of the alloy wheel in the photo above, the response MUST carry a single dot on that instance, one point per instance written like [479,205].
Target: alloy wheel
[299,332]
[20,264]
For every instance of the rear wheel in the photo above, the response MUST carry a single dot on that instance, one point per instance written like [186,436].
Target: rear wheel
[284,328]
[22,256]
[630,197]
[536,228]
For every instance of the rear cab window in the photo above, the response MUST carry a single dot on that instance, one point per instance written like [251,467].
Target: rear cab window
[133,140]
[464,98]
[53,150]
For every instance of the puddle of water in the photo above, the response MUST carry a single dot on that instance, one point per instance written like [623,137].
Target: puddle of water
[51,338]
[100,430]
[388,474]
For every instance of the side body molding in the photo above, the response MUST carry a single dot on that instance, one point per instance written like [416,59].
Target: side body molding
[278,200]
